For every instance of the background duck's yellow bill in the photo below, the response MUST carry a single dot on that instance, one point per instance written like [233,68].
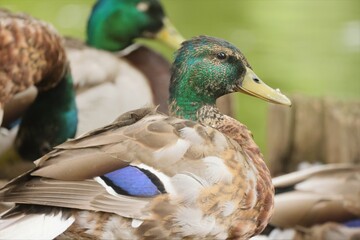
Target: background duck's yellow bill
[169,35]
[253,85]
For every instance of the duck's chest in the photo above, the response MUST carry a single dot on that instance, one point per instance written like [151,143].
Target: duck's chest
[243,205]
[99,225]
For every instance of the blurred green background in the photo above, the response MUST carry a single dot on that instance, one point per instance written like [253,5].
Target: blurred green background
[300,46]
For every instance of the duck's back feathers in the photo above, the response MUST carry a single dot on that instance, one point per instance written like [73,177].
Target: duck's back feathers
[317,195]
[31,54]
[292,179]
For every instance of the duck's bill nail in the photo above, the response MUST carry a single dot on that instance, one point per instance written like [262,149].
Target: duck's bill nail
[169,35]
[253,86]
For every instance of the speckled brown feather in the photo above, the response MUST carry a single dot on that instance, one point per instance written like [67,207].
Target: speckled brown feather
[31,53]
[264,187]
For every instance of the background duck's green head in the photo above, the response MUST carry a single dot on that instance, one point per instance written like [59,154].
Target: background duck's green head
[114,24]
[49,121]
[207,68]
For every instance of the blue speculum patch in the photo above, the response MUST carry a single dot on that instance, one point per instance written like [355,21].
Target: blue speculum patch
[355,223]
[134,181]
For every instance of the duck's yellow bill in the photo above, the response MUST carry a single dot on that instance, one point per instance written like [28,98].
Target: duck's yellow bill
[169,35]
[253,86]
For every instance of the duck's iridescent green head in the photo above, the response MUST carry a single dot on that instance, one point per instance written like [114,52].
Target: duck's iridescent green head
[115,24]
[49,121]
[207,68]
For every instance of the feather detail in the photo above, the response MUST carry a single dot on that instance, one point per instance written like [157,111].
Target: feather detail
[42,61]
[133,181]
[191,221]
[317,195]
[35,226]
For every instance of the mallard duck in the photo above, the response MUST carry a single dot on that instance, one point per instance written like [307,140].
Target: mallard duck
[32,55]
[194,174]
[318,203]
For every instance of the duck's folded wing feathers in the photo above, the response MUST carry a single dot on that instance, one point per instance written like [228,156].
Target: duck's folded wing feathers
[75,174]
[86,195]
[150,138]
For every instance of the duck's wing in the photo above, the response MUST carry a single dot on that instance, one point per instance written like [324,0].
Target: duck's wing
[66,176]
[316,195]
[122,167]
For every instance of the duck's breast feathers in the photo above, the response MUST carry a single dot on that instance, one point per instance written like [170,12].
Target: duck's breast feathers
[31,53]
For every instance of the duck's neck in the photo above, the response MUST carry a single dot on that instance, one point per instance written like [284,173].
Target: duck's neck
[186,99]
[187,108]
[49,121]
[104,30]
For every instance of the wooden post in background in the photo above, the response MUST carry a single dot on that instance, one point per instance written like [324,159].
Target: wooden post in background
[314,130]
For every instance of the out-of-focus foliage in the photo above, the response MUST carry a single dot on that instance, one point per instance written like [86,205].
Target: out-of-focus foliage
[300,46]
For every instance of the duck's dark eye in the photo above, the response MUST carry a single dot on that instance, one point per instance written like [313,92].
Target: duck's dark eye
[221,55]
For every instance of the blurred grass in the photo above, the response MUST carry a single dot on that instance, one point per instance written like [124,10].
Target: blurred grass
[300,46]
